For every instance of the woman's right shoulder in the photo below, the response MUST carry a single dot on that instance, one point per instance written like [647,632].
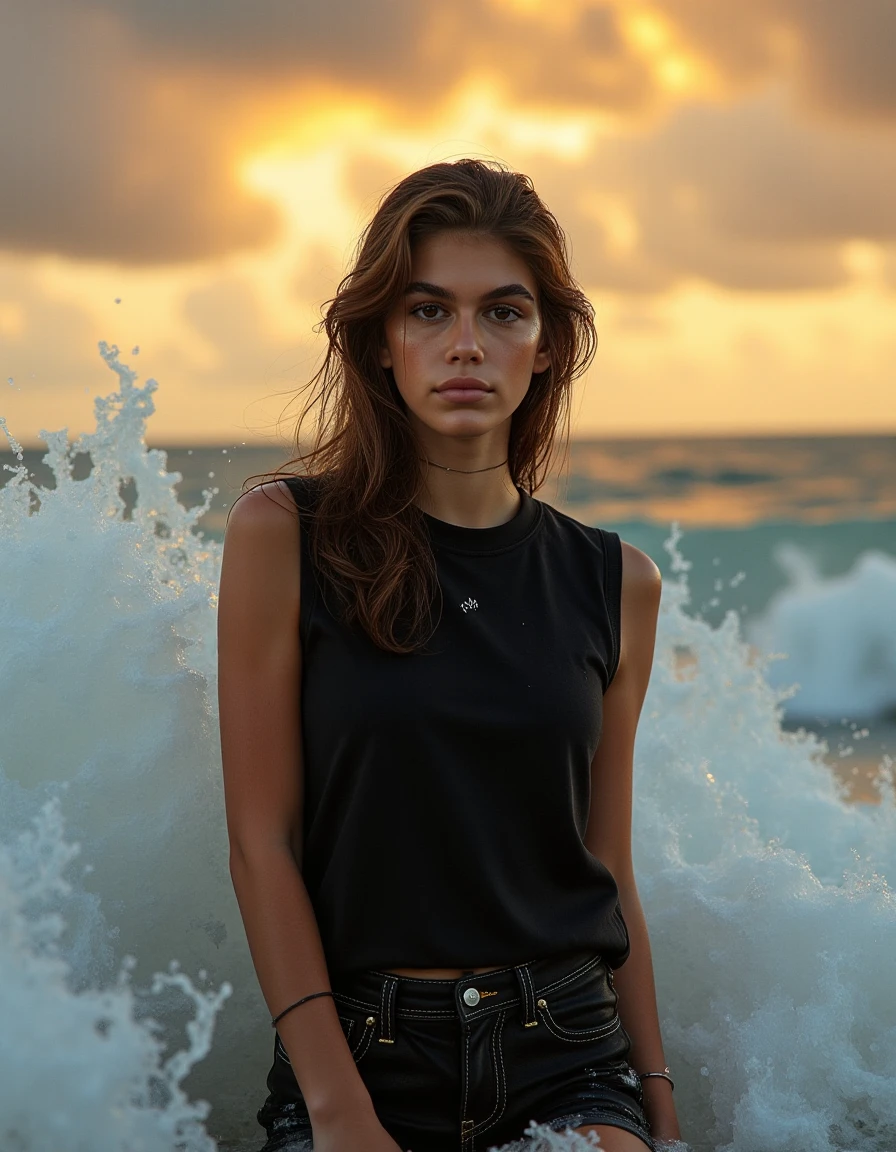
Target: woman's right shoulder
[265,512]
[261,564]
[262,542]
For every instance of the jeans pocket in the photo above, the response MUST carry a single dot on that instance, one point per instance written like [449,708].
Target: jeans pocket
[580,1010]
[359,1025]
[358,1032]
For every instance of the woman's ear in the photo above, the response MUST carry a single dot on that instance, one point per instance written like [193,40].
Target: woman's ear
[385,355]
[542,359]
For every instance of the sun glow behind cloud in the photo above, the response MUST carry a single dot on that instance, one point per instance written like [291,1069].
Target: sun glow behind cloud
[677,70]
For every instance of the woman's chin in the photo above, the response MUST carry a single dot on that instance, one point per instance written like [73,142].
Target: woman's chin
[460,424]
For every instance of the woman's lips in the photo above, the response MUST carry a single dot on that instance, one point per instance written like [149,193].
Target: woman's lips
[463,390]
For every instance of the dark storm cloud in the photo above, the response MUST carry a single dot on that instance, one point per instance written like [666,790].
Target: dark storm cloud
[848,58]
[348,40]
[105,160]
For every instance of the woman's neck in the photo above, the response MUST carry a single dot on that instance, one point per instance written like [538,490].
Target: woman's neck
[477,500]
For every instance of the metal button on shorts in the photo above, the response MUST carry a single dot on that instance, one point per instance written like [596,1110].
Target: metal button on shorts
[471,997]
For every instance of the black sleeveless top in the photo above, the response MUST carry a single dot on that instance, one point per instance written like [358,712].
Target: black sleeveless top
[447,792]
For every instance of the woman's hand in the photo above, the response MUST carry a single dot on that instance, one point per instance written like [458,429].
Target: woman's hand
[353,1132]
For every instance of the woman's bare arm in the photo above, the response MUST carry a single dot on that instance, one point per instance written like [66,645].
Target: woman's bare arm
[608,835]
[259,679]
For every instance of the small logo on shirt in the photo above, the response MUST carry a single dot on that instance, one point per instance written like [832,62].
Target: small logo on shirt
[470,604]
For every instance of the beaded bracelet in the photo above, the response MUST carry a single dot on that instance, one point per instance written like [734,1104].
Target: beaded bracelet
[304,1000]
[664,1074]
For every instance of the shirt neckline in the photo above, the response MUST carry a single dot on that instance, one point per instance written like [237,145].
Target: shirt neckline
[458,538]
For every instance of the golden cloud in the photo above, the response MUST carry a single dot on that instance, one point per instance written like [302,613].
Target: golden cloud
[722,154]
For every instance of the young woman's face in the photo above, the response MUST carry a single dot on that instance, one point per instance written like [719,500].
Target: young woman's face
[466,338]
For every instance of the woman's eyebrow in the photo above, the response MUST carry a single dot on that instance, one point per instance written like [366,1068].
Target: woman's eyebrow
[424,288]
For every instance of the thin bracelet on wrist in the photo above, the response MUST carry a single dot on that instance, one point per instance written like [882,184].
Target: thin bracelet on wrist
[665,1075]
[304,1000]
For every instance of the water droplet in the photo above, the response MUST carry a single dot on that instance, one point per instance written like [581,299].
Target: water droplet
[117,299]
[704,1071]
[10,380]
[211,475]
[135,351]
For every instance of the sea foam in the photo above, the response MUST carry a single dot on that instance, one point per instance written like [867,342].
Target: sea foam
[838,634]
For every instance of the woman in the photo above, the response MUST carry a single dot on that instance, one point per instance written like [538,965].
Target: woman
[429,689]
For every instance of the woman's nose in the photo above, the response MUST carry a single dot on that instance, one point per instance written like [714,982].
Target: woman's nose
[465,345]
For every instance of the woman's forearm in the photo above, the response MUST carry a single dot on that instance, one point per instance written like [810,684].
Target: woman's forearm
[635,987]
[286,949]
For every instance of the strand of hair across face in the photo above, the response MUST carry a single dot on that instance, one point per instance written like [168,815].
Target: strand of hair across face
[466,471]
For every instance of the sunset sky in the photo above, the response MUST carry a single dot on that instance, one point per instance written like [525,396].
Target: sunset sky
[726,173]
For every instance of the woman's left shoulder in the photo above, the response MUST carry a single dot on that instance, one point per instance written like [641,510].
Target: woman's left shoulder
[639,571]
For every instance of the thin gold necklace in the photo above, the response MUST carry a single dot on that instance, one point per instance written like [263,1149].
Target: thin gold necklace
[466,471]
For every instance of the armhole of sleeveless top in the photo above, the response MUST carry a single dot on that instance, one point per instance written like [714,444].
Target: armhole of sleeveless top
[613,593]
[302,493]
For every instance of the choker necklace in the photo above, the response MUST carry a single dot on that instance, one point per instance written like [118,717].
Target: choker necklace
[466,471]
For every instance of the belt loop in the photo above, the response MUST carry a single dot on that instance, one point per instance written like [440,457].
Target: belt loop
[528,995]
[387,1010]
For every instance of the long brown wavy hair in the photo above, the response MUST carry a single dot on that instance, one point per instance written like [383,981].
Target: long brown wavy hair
[367,535]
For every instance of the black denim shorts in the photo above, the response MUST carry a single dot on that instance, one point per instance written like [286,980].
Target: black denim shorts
[465,1065]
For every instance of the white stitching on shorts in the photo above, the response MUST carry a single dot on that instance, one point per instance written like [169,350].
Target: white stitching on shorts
[386,1022]
[470,1016]
[466,1074]
[360,1004]
[500,1078]
[363,1043]
[530,996]
[426,1013]
[592,1034]
[383,1008]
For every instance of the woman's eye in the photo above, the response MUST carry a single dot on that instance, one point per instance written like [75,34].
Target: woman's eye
[428,311]
[504,314]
